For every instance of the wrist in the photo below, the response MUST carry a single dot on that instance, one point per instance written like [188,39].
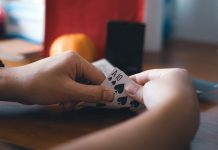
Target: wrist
[11,87]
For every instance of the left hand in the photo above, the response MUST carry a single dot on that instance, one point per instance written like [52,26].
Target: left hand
[171,84]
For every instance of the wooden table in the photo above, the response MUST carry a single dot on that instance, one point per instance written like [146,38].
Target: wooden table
[43,127]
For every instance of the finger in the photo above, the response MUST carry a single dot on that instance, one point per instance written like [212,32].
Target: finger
[90,72]
[135,91]
[143,77]
[91,93]
[69,105]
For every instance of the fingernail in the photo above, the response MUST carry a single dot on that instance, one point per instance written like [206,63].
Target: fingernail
[131,88]
[108,95]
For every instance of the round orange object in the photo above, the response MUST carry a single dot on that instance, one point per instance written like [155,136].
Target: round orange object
[78,42]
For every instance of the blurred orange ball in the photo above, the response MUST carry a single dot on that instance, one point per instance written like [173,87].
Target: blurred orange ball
[77,42]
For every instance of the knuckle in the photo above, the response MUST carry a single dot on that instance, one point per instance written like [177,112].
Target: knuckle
[71,54]
[100,93]
[181,71]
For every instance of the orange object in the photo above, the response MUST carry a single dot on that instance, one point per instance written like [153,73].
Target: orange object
[77,42]
[89,17]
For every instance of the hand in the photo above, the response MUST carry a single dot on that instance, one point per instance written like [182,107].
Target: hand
[158,86]
[55,79]
[173,112]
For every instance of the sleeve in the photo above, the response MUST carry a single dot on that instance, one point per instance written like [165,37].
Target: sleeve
[1,63]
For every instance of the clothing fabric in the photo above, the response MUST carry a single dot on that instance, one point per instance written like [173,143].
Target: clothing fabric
[1,64]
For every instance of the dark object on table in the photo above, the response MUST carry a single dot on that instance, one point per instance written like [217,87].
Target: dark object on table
[1,63]
[206,90]
[4,145]
[124,47]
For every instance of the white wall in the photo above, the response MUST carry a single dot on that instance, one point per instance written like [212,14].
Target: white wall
[153,21]
[196,20]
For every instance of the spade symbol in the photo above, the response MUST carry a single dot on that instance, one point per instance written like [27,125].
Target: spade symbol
[113,82]
[109,78]
[122,100]
[134,104]
[119,88]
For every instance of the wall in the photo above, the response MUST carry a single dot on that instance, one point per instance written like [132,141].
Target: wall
[154,21]
[196,20]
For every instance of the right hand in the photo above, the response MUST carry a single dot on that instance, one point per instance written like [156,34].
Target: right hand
[158,86]
[54,80]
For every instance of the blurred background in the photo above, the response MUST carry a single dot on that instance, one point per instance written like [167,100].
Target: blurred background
[31,26]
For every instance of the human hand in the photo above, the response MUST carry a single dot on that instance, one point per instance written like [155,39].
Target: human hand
[56,79]
[173,112]
[158,86]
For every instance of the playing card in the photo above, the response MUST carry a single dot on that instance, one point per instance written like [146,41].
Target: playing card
[116,80]
[104,66]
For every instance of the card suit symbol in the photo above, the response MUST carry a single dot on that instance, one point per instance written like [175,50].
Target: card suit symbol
[113,82]
[134,104]
[119,88]
[122,100]
[100,104]
[110,78]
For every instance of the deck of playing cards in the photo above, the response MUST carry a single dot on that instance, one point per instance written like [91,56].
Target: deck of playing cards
[116,80]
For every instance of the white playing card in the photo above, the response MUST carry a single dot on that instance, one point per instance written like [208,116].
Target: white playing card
[104,66]
[116,80]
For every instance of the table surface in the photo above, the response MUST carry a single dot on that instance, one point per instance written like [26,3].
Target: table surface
[44,127]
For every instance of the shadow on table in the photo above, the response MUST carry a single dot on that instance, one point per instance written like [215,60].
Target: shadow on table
[10,110]
[24,125]
[5,145]
[207,104]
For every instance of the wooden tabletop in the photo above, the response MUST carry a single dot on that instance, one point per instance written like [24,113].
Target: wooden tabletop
[43,127]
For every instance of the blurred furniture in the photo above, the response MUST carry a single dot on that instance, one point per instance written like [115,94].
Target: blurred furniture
[44,127]
[89,17]
[15,52]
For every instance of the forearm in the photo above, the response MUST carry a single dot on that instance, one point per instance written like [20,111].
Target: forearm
[168,127]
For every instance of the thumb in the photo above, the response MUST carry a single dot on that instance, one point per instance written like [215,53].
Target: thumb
[91,93]
[135,91]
